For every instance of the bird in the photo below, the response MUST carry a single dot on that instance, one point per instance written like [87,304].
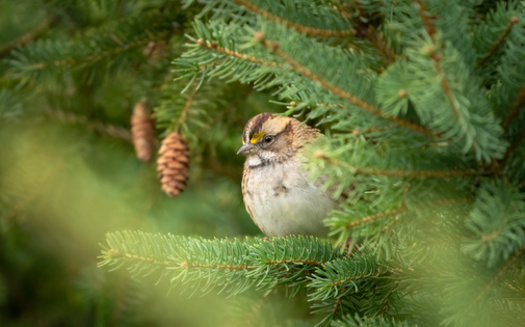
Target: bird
[278,193]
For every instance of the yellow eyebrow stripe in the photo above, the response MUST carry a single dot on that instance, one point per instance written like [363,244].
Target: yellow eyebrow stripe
[257,136]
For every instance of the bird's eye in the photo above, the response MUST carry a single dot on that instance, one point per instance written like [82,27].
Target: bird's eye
[268,139]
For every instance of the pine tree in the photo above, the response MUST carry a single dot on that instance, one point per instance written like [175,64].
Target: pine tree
[422,105]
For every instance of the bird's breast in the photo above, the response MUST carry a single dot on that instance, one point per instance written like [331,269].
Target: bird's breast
[281,200]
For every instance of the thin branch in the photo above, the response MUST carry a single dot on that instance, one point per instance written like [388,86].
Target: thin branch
[99,127]
[444,83]
[366,30]
[439,203]
[497,277]
[384,229]
[96,56]
[423,173]
[213,46]
[28,37]
[374,217]
[513,112]
[186,265]
[344,94]
[513,21]
[378,40]
[294,104]
[429,25]
[310,31]
[517,141]
[308,262]
[116,254]
[385,306]
[351,278]
[366,171]
[187,106]
[337,303]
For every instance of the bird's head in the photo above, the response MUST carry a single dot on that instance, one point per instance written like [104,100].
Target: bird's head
[268,139]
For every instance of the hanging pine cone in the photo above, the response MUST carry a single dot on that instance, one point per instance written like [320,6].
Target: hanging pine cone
[172,164]
[143,132]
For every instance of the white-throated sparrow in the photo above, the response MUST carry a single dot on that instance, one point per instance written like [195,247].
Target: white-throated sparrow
[278,193]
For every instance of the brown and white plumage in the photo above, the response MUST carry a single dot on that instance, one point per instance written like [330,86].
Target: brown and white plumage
[278,193]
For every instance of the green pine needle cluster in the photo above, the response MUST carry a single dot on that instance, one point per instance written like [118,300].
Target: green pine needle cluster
[336,284]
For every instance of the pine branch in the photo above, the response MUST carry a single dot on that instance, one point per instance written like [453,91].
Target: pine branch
[495,279]
[514,145]
[339,285]
[436,57]
[373,217]
[428,23]
[496,223]
[28,37]
[403,210]
[514,110]
[107,43]
[367,171]
[337,303]
[113,254]
[226,265]
[189,101]
[274,46]
[214,47]
[378,40]
[514,20]
[447,95]
[91,58]
[444,83]
[307,30]
[97,126]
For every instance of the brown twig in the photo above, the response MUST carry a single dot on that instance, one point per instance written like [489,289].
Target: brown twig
[517,141]
[99,127]
[28,37]
[310,31]
[186,265]
[214,47]
[513,112]
[344,94]
[513,21]
[374,217]
[94,57]
[351,278]
[429,25]
[338,301]
[285,261]
[187,106]
[409,173]
[495,279]
[445,86]
[385,307]
[116,254]
[367,30]
[436,57]
[377,39]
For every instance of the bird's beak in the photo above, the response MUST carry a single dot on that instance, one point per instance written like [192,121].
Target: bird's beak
[245,149]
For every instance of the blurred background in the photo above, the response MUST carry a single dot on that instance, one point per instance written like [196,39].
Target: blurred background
[69,172]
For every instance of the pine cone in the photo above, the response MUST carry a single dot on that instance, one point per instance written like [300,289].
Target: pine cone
[143,132]
[172,164]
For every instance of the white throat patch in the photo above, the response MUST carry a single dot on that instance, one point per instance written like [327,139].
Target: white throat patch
[254,160]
